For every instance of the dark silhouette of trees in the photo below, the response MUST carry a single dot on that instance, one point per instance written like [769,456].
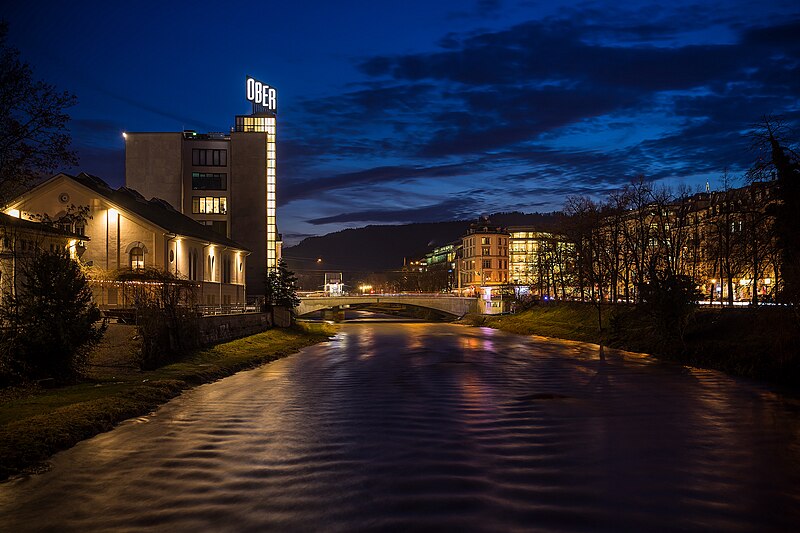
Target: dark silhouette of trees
[34,139]
[280,288]
[725,239]
[670,299]
[779,162]
[50,322]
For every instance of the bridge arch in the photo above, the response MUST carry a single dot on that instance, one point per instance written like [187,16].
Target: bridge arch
[454,305]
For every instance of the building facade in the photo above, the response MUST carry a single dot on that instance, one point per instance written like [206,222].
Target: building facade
[226,181]
[483,266]
[125,232]
[539,261]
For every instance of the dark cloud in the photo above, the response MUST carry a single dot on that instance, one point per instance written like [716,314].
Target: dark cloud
[510,87]
[500,119]
[539,51]
[453,208]
[373,176]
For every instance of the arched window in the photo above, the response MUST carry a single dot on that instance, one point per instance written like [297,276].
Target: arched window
[137,258]
[193,264]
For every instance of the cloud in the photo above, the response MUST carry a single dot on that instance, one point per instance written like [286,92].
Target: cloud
[453,208]
[372,176]
[506,91]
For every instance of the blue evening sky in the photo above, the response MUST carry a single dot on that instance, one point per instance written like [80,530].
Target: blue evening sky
[394,112]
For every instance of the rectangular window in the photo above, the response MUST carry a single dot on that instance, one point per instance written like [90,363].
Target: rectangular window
[485,250]
[209,181]
[486,240]
[205,157]
[487,263]
[210,205]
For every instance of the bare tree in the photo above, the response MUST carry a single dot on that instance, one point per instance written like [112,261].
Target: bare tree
[725,234]
[34,139]
[778,161]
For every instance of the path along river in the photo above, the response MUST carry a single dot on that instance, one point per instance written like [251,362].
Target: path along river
[436,426]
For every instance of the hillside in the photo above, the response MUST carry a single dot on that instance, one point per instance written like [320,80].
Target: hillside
[377,248]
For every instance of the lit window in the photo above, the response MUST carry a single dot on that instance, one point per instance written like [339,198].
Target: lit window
[137,258]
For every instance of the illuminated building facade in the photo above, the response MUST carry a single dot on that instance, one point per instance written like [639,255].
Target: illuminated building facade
[483,266]
[126,232]
[540,261]
[223,180]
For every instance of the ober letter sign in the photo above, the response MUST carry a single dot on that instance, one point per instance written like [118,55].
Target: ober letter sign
[262,94]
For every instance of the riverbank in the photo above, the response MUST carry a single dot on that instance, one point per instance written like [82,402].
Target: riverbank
[756,343]
[34,424]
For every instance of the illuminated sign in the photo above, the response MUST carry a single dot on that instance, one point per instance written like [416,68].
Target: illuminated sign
[263,97]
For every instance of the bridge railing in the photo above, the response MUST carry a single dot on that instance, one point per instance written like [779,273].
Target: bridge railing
[390,294]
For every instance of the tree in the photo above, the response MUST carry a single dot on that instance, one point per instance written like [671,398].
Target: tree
[34,139]
[594,252]
[280,287]
[780,163]
[726,240]
[165,314]
[51,321]
[670,299]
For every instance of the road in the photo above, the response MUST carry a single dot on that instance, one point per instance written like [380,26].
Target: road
[436,426]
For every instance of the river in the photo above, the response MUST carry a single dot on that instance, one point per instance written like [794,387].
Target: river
[436,426]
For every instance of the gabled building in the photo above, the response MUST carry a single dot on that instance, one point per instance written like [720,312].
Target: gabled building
[127,232]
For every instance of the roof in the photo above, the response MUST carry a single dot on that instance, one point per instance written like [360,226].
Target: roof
[30,225]
[158,211]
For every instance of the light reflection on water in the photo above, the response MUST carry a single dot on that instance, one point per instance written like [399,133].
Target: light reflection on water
[424,426]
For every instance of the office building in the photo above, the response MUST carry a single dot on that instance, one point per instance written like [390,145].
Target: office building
[539,261]
[223,180]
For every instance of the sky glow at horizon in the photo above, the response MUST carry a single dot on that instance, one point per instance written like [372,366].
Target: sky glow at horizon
[424,112]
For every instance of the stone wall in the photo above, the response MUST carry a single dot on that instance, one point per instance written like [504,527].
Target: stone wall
[221,328]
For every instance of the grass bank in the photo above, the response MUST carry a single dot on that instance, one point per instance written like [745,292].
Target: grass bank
[36,424]
[760,343]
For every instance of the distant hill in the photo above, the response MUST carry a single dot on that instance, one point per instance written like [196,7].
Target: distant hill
[377,248]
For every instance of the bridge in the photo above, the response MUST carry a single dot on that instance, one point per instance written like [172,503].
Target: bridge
[454,305]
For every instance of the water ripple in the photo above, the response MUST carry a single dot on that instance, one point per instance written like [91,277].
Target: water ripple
[423,427]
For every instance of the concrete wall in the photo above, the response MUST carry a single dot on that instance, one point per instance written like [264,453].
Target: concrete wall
[214,329]
[153,165]
[188,168]
[248,189]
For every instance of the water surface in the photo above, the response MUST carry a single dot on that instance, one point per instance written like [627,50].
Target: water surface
[436,426]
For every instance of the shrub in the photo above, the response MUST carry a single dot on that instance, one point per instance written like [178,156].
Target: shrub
[670,300]
[51,321]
